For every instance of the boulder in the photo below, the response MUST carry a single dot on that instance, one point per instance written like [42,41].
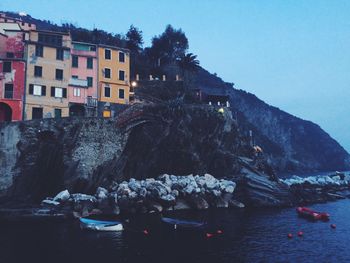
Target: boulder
[48,202]
[62,196]
[101,193]
[235,204]
[197,202]
[181,205]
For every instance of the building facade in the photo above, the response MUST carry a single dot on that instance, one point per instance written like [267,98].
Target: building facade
[12,72]
[113,79]
[82,89]
[48,74]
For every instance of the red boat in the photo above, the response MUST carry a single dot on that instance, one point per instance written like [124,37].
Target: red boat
[310,214]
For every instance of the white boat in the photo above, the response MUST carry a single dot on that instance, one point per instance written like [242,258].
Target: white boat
[100,225]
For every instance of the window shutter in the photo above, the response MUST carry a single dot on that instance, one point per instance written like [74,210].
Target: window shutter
[52,91]
[43,90]
[64,93]
[31,89]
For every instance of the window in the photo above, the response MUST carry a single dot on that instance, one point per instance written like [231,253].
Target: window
[92,48]
[59,54]
[10,55]
[121,57]
[59,74]
[121,94]
[121,75]
[37,113]
[89,81]
[58,113]
[50,39]
[37,90]
[74,77]
[8,91]
[39,51]
[58,92]
[107,73]
[7,66]
[108,54]
[107,92]
[38,71]
[89,63]
[76,92]
[75,61]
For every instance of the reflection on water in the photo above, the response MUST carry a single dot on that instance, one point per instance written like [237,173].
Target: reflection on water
[249,236]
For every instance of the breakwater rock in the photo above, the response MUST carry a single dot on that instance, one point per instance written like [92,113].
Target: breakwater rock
[168,192]
[319,188]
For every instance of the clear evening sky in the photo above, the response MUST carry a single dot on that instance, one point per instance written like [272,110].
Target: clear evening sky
[293,54]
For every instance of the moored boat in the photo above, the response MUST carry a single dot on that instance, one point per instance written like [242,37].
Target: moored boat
[311,214]
[179,223]
[101,225]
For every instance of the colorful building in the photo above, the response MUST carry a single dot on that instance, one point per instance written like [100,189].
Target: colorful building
[113,79]
[12,71]
[82,89]
[48,74]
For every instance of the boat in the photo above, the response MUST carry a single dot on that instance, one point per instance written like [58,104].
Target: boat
[179,223]
[311,214]
[100,225]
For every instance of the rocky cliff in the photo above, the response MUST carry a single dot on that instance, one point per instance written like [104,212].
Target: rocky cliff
[291,144]
[42,157]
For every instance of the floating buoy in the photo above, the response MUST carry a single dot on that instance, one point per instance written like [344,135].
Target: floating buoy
[290,235]
[219,232]
[208,235]
[333,226]
[300,233]
[145,232]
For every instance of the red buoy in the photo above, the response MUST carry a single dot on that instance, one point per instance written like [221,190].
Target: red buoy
[219,232]
[333,226]
[300,233]
[290,235]
[208,235]
[145,232]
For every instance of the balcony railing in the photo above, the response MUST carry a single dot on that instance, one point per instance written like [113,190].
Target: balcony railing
[78,82]
[91,102]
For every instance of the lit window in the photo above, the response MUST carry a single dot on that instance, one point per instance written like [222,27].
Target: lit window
[76,92]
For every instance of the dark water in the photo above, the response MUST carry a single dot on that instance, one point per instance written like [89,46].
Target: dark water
[259,236]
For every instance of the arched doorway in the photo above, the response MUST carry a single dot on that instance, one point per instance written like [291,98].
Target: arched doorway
[5,112]
[77,110]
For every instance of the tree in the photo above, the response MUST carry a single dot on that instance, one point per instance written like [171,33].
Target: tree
[170,46]
[134,39]
[188,64]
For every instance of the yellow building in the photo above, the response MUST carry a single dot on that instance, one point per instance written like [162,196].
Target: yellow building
[113,76]
[48,73]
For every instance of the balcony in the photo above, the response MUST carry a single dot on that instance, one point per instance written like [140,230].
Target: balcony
[78,82]
[91,102]
[11,55]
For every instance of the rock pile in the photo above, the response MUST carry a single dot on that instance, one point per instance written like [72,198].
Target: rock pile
[165,192]
[336,180]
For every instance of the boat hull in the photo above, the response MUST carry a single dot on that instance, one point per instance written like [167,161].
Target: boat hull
[100,225]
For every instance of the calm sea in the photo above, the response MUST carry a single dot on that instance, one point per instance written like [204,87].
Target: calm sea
[248,236]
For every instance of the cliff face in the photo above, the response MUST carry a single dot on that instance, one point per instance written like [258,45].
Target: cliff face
[39,158]
[291,144]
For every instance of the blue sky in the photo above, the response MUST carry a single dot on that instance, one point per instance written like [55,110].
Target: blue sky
[293,54]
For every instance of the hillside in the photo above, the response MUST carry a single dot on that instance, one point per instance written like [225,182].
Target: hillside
[292,144]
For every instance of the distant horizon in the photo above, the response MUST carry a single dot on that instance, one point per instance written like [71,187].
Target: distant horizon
[293,56]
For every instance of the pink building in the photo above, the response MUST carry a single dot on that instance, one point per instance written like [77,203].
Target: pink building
[82,89]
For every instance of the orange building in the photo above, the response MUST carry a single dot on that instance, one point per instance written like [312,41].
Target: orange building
[113,78]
